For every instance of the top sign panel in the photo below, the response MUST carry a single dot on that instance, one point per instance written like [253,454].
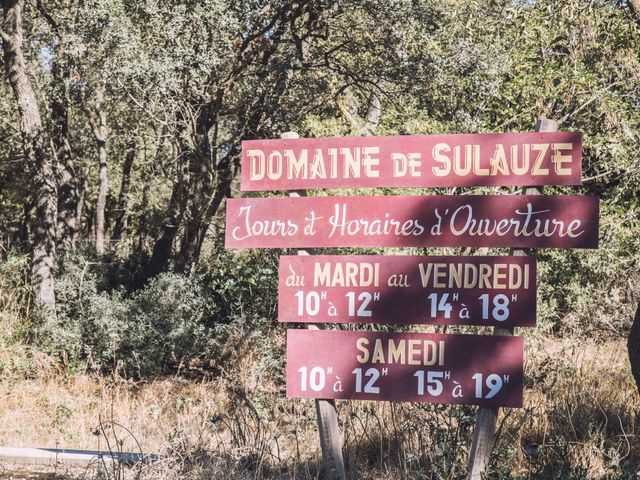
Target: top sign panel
[510,159]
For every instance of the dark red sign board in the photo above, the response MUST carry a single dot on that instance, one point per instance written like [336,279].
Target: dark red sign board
[566,221]
[551,158]
[405,367]
[404,290]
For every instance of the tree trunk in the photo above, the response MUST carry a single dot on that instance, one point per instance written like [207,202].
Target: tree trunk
[225,175]
[143,224]
[162,248]
[633,346]
[159,261]
[82,194]
[100,133]
[67,188]
[123,197]
[44,228]
[348,106]
[199,196]
[147,175]
[199,190]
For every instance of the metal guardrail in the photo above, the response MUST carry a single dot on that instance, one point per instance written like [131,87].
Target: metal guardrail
[58,456]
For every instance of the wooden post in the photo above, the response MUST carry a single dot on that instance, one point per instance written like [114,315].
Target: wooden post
[325,409]
[484,434]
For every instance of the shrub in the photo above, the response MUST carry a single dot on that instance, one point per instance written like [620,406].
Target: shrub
[173,323]
[154,330]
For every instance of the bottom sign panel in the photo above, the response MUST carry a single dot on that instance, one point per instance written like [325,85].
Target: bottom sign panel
[405,367]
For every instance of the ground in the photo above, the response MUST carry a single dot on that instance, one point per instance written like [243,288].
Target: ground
[580,420]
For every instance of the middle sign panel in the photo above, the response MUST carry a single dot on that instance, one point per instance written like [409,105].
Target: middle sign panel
[443,290]
[565,221]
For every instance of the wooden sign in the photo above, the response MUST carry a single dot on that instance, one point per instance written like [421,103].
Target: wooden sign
[413,221]
[413,161]
[486,291]
[405,367]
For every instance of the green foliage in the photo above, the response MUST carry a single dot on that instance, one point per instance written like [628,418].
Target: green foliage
[158,329]
[174,323]
[242,285]
[593,294]
[15,298]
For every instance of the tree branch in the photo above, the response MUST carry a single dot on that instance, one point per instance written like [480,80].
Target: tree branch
[5,36]
[47,16]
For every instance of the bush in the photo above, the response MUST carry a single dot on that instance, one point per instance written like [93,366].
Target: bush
[173,323]
[593,293]
[152,331]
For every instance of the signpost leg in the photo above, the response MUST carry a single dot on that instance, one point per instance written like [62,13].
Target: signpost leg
[325,409]
[484,433]
[330,440]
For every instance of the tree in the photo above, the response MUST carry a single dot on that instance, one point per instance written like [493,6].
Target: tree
[121,213]
[59,104]
[246,70]
[36,158]
[97,119]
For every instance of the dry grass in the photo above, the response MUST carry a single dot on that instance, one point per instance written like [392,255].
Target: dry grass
[580,421]
[582,413]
